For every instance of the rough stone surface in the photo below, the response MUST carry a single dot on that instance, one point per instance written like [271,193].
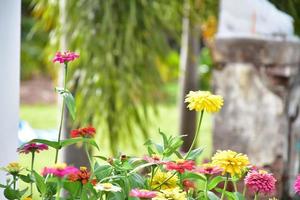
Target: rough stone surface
[249,120]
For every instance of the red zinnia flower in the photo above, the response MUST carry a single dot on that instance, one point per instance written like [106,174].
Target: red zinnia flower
[187,184]
[32,147]
[83,175]
[83,132]
[180,165]
[65,57]
[144,194]
[260,181]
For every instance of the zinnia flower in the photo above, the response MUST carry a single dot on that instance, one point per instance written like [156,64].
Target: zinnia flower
[153,159]
[297,185]
[159,179]
[83,175]
[32,147]
[144,194]
[13,168]
[188,185]
[204,101]
[60,170]
[260,182]
[171,194]
[180,165]
[208,169]
[83,132]
[65,57]
[231,162]
[108,187]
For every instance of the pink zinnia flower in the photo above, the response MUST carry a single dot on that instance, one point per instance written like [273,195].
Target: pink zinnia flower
[153,159]
[208,169]
[60,170]
[83,132]
[65,57]
[297,185]
[180,165]
[32,147]
[260,182]
[144,194]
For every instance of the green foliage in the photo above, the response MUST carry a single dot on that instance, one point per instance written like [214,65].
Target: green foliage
[291,7]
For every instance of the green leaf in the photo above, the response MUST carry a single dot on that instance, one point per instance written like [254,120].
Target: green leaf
[12,194]
[69,100]
[26,179]
[73,188]
[102,171]
[212,196]
[195,154]
[190,175]
[40,183]
[215,181]
[165,139]
[239,196]
[70,141]
[52,144]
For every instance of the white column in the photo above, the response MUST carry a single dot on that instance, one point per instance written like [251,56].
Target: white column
[10,18]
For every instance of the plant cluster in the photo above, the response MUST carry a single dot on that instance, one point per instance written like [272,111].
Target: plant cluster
[164,173]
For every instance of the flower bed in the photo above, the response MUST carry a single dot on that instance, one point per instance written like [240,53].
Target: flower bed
[164,173]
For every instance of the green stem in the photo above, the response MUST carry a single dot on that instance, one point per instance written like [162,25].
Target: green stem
[14,180]
[244,191]
[86,148]
[165,181]
[224,188]
[58,191]
[62,113]
[256,196]
[235,186]
[205,192]
[32,166]
[196,136]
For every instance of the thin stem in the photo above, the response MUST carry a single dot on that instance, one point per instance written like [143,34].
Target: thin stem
[165,181]
[196,136]
[62,112]
[58,191]
[205,192]
[256,196]
[224,188]
[235,186]
[14,180]
[89,157]
[244,191]
[32,166]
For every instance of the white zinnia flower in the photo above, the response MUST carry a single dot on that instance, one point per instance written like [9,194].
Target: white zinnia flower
[107,187]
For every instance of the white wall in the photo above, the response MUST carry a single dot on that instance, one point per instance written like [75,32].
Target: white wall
[10,16]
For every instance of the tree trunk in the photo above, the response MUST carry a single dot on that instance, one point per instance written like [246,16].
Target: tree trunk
[189,76]
[74,154]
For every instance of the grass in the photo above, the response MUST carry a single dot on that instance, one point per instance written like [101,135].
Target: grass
[46,117]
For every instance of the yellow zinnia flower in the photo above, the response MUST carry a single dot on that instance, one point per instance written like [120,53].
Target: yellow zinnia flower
[13,168]
[171,194]
[204,101]
[231,162]
[159,177]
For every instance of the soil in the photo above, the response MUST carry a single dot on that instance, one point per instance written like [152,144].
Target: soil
[38,90]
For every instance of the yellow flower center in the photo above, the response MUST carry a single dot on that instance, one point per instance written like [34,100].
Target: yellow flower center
[107,185]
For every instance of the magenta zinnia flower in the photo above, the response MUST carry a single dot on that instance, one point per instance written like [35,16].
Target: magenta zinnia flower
[144,194]
[260,182]
[65,57]
[297,185]
[60,170]
[32,147]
